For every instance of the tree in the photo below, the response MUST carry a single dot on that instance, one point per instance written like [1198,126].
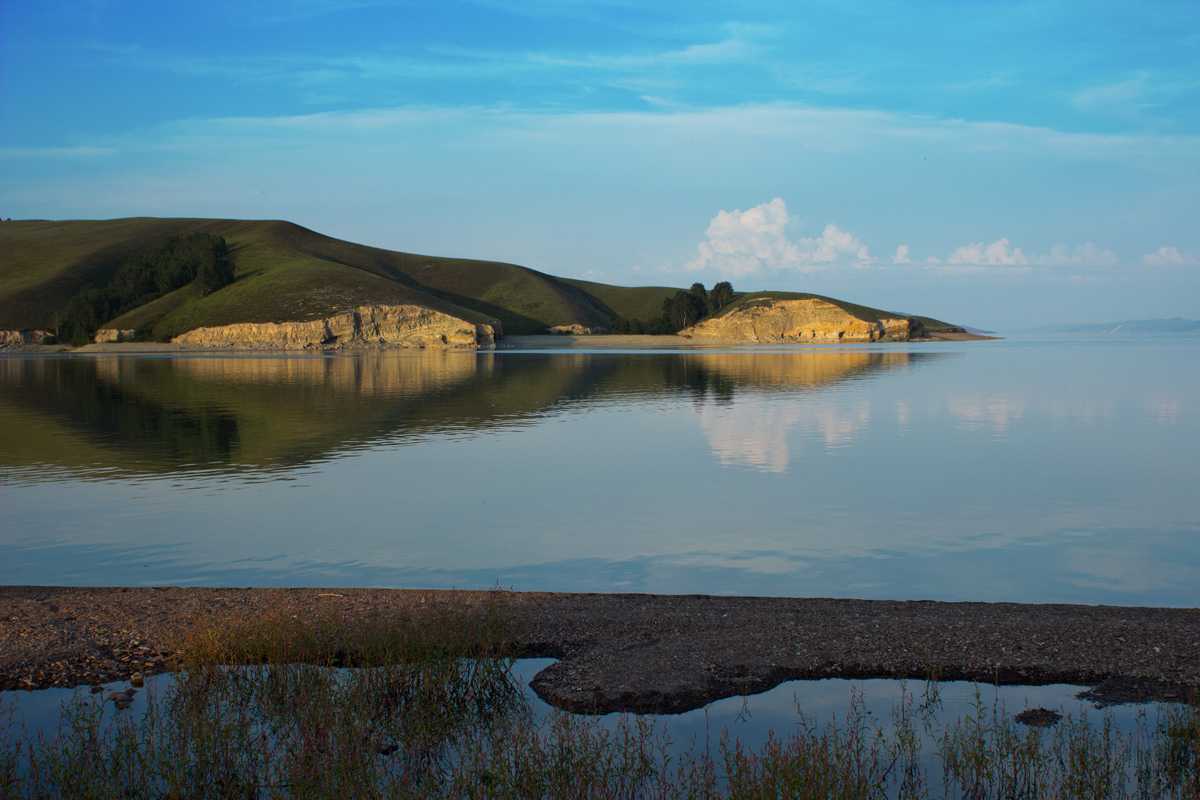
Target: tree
[216,268]
[720,296]
[680,311]
[169,264]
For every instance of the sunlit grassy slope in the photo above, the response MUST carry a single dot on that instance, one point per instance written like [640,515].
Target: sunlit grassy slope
[289,273]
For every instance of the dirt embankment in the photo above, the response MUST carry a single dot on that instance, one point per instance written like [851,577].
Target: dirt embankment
[648,653]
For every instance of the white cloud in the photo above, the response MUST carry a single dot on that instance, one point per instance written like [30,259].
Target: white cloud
[1169,257]
[743,243]
[832,244]
[901,256]
[1000,255]
[1083,255]
[996,254]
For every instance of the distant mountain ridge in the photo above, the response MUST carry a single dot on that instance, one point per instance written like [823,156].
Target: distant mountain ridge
[1172,325]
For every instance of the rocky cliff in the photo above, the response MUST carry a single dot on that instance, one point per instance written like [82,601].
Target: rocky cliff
[386,326]
[22,338]
[106,335]
[576,330]
[808,319]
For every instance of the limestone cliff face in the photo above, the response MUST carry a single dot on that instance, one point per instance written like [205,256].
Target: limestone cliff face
[805,320]
[21,338]
[388,326]
[105,335]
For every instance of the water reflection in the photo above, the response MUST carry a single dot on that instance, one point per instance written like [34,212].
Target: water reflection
[978,410]
[1003,472]
[97,416]
[760,435]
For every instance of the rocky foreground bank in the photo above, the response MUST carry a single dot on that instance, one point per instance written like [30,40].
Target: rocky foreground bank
[646,653]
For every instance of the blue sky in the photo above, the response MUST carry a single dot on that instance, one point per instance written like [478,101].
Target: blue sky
[998,164]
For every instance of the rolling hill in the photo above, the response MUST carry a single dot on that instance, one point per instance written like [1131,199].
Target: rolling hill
[287,273]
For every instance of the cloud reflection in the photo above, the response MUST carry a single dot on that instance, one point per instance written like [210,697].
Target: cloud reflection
[752,431]
[979,411]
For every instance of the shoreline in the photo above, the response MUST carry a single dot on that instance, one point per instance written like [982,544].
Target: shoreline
[516,342]
[646,653]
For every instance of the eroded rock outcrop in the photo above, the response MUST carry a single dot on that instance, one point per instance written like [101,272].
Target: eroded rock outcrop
[386,326]
[575,330]
[105,335]
[808,319]
[22,338]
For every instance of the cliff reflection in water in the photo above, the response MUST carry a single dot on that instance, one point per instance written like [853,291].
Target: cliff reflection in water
[745,432]
[102,417]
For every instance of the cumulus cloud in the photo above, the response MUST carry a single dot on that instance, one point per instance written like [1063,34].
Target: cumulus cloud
[996,254]
[1168,257]
[741,243]
[901,256]
[832,244]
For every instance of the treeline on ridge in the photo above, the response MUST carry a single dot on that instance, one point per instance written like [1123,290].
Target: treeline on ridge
[170,264]
[682,310]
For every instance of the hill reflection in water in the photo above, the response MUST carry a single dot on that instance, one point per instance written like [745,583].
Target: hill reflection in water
[981,471]
[111,415]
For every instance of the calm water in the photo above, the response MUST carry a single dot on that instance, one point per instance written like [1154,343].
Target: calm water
[1050,469]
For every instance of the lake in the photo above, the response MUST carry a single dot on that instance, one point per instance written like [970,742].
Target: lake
[1032,469]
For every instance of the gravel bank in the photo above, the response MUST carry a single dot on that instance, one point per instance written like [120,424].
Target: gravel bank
[649,653]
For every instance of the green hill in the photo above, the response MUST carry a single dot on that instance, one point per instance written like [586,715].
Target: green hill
[288,273]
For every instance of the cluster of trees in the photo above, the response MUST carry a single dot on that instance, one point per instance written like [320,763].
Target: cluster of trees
[174,262]
[682,310]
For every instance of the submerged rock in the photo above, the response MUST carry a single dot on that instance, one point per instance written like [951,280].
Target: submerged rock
[1038,717]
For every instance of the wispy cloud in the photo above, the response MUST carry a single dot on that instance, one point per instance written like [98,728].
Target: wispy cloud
[1001,253]
[1122,98]
[1083,255]
[56,152]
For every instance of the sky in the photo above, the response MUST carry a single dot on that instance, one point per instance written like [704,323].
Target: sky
[996,164]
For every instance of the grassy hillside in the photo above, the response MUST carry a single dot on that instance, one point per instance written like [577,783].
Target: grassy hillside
[288,273]
[630,302]
[284,273]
